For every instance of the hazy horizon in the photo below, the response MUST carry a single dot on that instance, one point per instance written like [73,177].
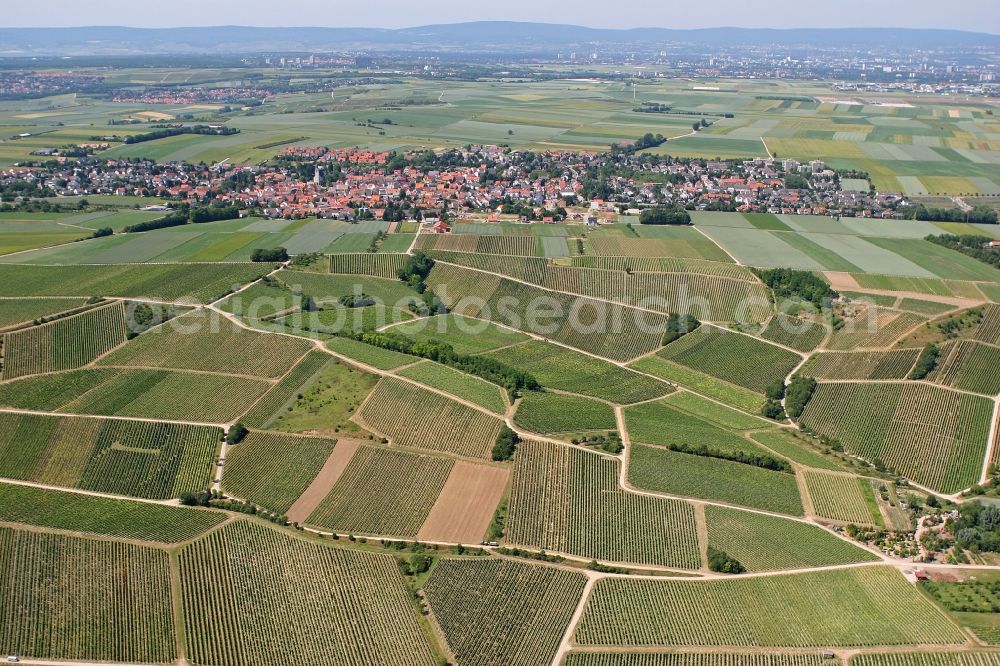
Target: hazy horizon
[970,15]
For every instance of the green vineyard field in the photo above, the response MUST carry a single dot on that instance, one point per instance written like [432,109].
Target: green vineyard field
[414,417]
[273,470]
[103,516]
[568,500]
[567,370]
[253,595]
[134,458]
[74,598]
[383,491]
[869,606]
[64,344]
[501,612]
[933,436]
[766,543]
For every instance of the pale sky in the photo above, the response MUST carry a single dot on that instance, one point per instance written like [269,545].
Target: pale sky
[975,15]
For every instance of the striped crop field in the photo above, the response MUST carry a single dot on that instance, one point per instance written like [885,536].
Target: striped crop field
[860,607]
[666,471]
[568,500]
[496,611]
[927,659]
[732,357]
[877,330]
[136,458]
[65,343]
[465,335]
[608,330]
[889,364]
[418,418]
[383,491]
[68,597]
[197,283]
[567,370]
[665,265]
[211,344]
[545,412]
[795,332]
[767,543]
[272,470]
[933,436]
[970,366]
[469,387]
[103,516]
[171,394]
[848,499]
[15,311]
[692,659]
[712,296]
[254,595]
[988,330]
[283,394]
[376,265]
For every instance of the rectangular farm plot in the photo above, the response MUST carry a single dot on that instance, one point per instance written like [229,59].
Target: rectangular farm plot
[568,500]
[16,311]
[73,598]
[273,470]
[65,343]
[564,369]
[466,336]
[331,471]
[732,357]
[139,459]
[843,498]
[931,435]
[252,594]
[464,509]
[383,491]
[768,543]
[211,343]
[970,366]
[496,611]
[174,395]
[865,606]
[414,417]
[890,364]
[756,247]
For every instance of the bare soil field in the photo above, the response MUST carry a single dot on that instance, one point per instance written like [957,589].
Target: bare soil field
[324,481]
[466,504]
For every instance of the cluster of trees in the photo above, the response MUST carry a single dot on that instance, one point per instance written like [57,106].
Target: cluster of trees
[971,246]
[164,132]
[978,214]
[356,300]
[797,395]
[609,443]
[103,232]
[926,362]
[213,213]
[415,271]
[753,459]
[652,107]
[665,215]
[790,283]
[178,219]
[647,140]
[491,370]
[772,408]
[261,255]
[678,326]
[505,445]
[186,215]
[236,434]
[721,562]
[977,527]
[796,181]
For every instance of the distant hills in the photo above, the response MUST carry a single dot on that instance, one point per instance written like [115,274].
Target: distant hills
[483,36]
